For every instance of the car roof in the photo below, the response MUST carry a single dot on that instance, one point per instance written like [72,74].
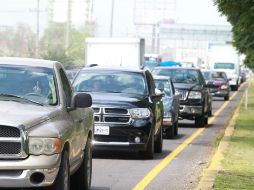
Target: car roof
[26,62]
[116,68]
[178,68]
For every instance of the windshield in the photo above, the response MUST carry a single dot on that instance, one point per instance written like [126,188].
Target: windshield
[224,66]
[31,83]
[219,76]
[180,75]
[111,82]
[164,86]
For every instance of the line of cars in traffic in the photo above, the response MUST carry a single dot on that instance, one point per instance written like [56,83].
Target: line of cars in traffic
[134,109]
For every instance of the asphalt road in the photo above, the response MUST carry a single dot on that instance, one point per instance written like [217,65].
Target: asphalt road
[124,170]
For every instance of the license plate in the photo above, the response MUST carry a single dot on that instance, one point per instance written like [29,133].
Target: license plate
[101,130]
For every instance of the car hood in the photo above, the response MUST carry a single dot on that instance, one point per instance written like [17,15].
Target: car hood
[182,86]
[119,100]
[17,113]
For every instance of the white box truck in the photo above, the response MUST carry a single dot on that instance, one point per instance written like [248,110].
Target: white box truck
[128,52]
[224,57]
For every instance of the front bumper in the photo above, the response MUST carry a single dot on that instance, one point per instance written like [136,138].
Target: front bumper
[220,92]
[190,111]
[18,173]
[133,136]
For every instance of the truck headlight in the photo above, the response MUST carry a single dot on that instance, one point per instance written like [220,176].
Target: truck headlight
[140,113]
[47,146]
[195,95]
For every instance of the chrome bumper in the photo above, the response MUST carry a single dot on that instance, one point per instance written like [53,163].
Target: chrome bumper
[195,110]
[24,180]
[48,166]
[167,121]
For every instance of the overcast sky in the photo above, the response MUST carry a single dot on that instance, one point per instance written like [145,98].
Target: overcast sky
[188,11]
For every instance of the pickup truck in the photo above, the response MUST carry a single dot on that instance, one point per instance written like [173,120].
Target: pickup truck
[195,98]
[46,129]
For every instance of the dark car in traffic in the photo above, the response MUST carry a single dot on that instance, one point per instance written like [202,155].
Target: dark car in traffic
[128,111]
[195,98]
[170,104]
[218,83]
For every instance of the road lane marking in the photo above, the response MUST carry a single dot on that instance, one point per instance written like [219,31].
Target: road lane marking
[159,167]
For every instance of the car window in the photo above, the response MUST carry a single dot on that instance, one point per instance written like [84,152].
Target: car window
[110,82]
[66,87]
[186,76]
[218,76]
[164,86]
[38,83]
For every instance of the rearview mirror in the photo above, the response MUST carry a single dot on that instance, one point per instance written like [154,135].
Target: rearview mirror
[80,100]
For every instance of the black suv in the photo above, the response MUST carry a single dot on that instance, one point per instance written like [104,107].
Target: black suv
[195,98]
[128,112]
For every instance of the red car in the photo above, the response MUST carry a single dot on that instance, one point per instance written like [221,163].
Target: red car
[218,83]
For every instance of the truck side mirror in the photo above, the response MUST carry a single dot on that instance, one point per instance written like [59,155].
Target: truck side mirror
[80,100]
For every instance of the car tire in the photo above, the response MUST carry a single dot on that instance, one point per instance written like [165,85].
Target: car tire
[170,132]
[226,98]
[210,113]
[200,121]
[159,142]
[62,181]
[176,129]
[81,180]
[235,88]
[149,152]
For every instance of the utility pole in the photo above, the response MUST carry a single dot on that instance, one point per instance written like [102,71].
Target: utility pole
[68,26]
[37,39]
[37,28]
[112,17]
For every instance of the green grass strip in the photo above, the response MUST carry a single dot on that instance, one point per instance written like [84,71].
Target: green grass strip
[238,162]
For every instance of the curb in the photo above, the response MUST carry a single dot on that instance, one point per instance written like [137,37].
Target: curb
[208,177]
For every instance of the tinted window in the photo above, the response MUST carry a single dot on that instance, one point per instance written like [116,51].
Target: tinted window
[66,87]
[218,76]
[180,75]
[206,75]
[165,86]
[34,83]
[110,82]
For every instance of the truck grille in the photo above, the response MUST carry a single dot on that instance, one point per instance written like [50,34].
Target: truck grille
[6,131]
[11,142]
[111,115]
[10,148]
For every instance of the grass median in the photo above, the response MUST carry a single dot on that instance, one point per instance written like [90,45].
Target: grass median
[238,163]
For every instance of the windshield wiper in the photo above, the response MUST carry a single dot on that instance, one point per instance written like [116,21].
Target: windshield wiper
[23,98]
[112,91]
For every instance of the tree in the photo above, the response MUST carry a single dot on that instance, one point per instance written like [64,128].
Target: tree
[17,41]
[241,15]
[53,44]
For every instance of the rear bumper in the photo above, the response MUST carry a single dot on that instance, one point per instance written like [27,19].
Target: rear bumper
[167,121]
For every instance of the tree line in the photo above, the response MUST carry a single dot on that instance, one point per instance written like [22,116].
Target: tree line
[240,13]
[20,41]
